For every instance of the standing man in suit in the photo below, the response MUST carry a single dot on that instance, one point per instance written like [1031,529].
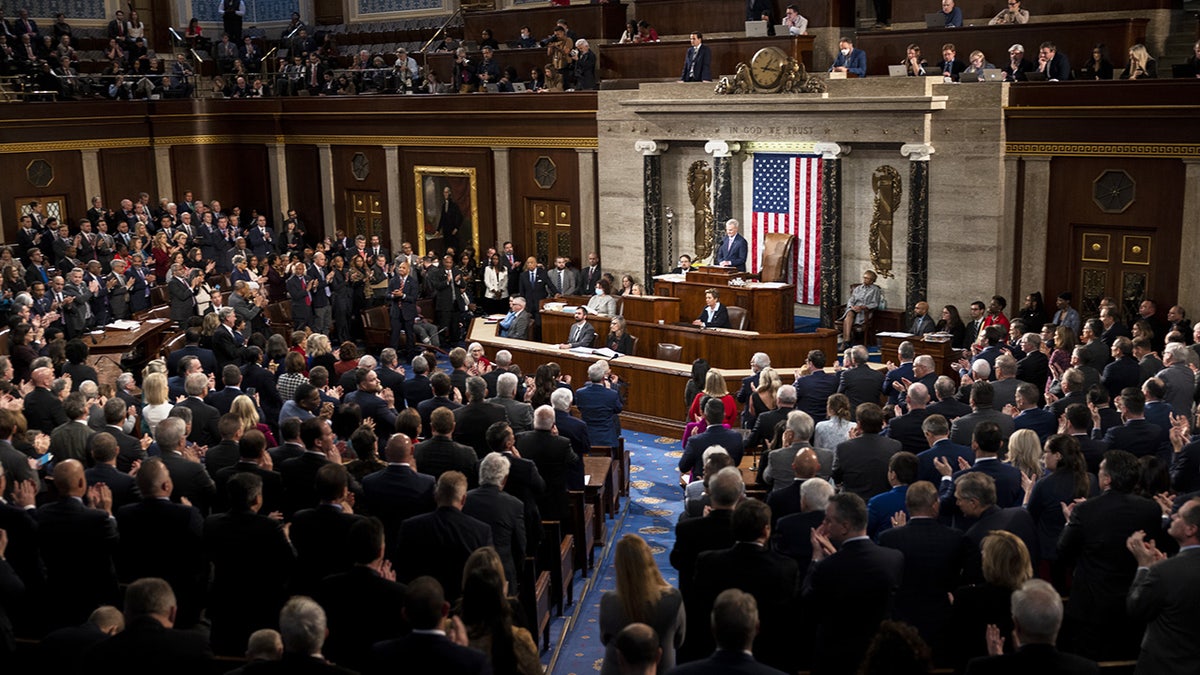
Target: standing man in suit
[204,416]
[715,434]
[557,463]
[149,642]
[850,584]
[402,291]
[472,420]
[599,405]
[1037,614]
[535,285]
[182,291]
[733,250]
[860,465]
[428,648]
[440,453]
[438,544]
[697,65]
[321,294]
[443,281]
[937,436]
[398,492]
[70,439]
[564,279]
[861,383]
[299,290]
[502,512]
[228,347]
[188,478]
[588,277]
[449,222]
[814,386]
[1164,595]
[1094,540]
[76,304]
[321,532]
[119,290]
[714,314]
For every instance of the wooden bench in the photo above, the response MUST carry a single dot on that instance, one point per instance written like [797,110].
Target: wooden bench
[583,517]
[535,598]
[557,557]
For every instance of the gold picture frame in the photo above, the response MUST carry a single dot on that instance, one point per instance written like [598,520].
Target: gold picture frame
[428,183]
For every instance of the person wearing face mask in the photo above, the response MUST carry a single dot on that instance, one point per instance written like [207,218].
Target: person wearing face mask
[850,61]
[603,302]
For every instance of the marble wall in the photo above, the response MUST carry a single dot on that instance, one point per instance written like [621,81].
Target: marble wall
[969,256]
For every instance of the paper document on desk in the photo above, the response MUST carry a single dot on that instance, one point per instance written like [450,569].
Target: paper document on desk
[124,324]
[671,277]
[894,334]
[586,479]
[606,353]
[156,321]
[767,284]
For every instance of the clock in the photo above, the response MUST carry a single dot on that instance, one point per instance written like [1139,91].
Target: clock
[545,173]
[766,68]
[360,166]
[39,173]
[1113,191]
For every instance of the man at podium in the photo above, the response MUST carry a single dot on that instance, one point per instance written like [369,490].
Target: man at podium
[733,249]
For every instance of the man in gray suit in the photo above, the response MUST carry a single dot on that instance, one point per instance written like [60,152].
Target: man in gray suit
[118,290]
[70,440]
[182,291]
[581,333]
[563,279]
[519,413]
[1177,377]
[860,383]
[504,513]
[516,325]
[77,298]
[1164,595]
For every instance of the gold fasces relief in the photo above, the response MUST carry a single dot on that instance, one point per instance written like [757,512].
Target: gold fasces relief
[699,185]
[885,182]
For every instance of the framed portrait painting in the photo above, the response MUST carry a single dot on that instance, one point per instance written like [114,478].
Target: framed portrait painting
[447,208]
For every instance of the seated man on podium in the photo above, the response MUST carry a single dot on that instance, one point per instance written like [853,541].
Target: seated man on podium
[849,59]
[581,334]
[517,322]
[714,314]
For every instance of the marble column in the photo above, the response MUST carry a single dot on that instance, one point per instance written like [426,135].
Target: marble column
[90,158]
[722,187]
[1035,226]
[1189,245]
[587,217]
[325,167]
[917,286]
[391,162]
[504,226]
[1006,238]
[162,170]
[831,229]
[277,174]
[652,211]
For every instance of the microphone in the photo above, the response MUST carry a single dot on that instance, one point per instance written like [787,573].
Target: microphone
[174,34]
[289,35]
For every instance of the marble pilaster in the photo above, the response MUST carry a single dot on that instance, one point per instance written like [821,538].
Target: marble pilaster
[325,167]
[90,158]
[1035,225]
[652,211]
[391,162]
[277,175]
[1189,245]
[831,229]
[917,278]
[588,222]
[162,170]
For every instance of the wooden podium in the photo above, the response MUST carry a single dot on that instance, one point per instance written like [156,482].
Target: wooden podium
[768,305]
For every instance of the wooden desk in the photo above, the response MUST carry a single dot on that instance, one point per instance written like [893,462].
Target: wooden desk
[105,351]
[600,492]
[944,355]
[599,23]
[904,11]
[722,348]
[664,60]
[655,388]
[649,308]
[1074,38]
[768,308]
[680,17]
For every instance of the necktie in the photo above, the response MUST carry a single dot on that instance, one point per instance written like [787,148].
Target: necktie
[533,277]
[574,333]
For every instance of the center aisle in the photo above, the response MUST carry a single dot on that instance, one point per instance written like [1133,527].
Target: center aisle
[654,506]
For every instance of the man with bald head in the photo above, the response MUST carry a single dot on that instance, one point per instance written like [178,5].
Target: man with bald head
[77,537]
[398,492]
[43,410]
[786,500]
[906,428]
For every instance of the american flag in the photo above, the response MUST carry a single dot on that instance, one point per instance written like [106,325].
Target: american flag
[787,198]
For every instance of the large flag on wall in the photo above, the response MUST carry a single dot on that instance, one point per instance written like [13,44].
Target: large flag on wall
[787,198]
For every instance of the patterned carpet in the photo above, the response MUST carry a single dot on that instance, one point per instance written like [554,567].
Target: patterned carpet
[653,507]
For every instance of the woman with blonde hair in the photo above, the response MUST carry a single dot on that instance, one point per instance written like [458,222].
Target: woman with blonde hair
[154,390]
[243,406]
[1141,66]
[1006,565]
[714,387]
[1025,452]
[835,428]
[320,352]
[488,618]
[641,596]
[763,398]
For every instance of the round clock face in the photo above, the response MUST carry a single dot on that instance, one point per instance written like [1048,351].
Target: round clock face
[766,67]
[1113,191]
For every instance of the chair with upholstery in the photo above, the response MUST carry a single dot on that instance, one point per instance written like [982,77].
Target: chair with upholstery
[633,345]
[377,326]
[4,341]
[174,342]
[737,317]
[777,256]
[158,295]
[866,328]
[669,352]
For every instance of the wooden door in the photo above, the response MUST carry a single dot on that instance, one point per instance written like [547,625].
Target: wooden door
[365,216]
[1113,261]
[548,224]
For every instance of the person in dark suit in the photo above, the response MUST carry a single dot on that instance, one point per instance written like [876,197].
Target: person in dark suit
[1037,613]
[975,494]
[441,453]
[571,428]
[933,560]
[1027,415]
[64,650]
[299,295]
[503,513]
[735,624]
[428,649]
[792,533]
[896,374]
[188,477]
[77,544]
[398,492]
[982,396]
[443,281]
[238,603]
[697,65]
[1053,64]
[764,424]
[161,539]
[534,285]
[987,445]
[585,66]
[1124,370]
[1164,594]
[149,644]
[70,440]
[299,472]
[402,306]
[937,435]
[947,405]
[182,293]
[733,249]
[524,482]
[950,64]
[320,533]
[714,314]
[599,403]
[1094,541]
[860,464]
[225,453]
[222,400]
[252,458]
[1135,435]
[304,629]
[292,446]
[129,449]
[1034,366]
[814,386]
[104,454]
[715,434]
[418,387]
[750,566]
[860,383]
[472,420]
[260,238]
[228,345]
[208,361]
[850,584]
[438,544]
[556,462]
[360,603]
[907,428]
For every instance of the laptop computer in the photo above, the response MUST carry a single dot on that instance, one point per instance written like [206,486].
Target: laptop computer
[1180,71]
[973,76]
[897,71]
[1035,76]
[491,88]
[993,75]
[756,29]
[782,30]
[935,20]
[933,70]
[518,87]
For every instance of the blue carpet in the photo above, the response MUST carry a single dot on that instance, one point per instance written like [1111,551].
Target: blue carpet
[654,505]
[805,324]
